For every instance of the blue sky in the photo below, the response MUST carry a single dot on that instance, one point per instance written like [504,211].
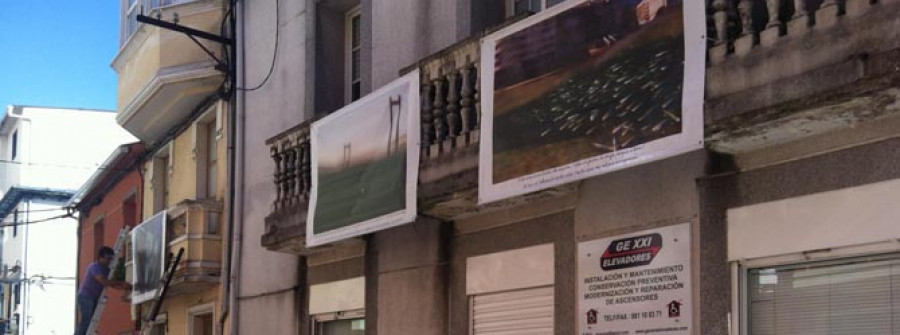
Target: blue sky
[58,52]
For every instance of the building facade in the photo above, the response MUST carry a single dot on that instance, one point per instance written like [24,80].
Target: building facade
[170,96]
[45,159]
[788,204]
[107,203]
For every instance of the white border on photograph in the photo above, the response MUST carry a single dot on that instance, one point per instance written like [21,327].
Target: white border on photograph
[690,138]
[406,215]
[140,297]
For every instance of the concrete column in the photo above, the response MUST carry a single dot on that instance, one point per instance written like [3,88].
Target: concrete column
[406,279]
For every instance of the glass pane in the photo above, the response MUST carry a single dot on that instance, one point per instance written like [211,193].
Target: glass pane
[342,327]
[355,31]
[553,2]
[203,325]
[355,91]
[212,154]
[354,65]
[526,6]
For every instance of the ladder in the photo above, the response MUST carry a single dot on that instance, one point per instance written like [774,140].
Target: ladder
[101,304]
[161,291]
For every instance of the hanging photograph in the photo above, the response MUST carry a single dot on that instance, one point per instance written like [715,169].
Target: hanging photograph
[148,243]
[588,87]
[365,160]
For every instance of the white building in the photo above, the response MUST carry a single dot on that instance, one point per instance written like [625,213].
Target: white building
[45,154]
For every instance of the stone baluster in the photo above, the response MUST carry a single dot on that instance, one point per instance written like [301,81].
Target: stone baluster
[427,118]
[775,26]
[745,41]
[276,176]
[827,14]
[467,93]
[305,167]
[476,78]
[854,8]
[800,21]
[298,167]
[440,128]
[720,18]
[453,107]
[289,172]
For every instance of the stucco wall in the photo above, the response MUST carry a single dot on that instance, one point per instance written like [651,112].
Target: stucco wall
[266,278]
[117,315]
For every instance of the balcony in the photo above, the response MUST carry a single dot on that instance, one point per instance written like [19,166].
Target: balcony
[163,74]
[769,82]
[285,227]
[790,73]
[195,226]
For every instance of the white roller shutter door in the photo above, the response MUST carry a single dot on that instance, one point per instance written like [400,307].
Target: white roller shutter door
[520,312]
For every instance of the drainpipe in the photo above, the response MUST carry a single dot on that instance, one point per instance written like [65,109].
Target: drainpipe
[237,149]
[232,254]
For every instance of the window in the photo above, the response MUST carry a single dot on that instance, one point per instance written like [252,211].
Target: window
[212,159]
[518,7]
[851,296]
[352,54]
[341,323]
[200,320]
[129,22]
[129,212]
[99,230]
[15,222]
[212,223]
[160,179]
[160,326]
[14,146]
[135,7]
[340,54]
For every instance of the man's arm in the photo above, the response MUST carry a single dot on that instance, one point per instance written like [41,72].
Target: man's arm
[112,283]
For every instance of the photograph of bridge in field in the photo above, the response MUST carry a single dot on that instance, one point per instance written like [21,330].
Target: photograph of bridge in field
[590,79]
[600,77]
[361,160]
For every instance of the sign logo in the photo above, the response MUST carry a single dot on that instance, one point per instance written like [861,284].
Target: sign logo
[674,309]
[592,317]
[630,252]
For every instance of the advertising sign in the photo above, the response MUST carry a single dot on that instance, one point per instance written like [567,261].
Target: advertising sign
[148,243]
[365,160]
[637,283]
[588,87]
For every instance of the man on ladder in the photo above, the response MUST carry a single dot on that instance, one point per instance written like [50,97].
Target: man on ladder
[95,279]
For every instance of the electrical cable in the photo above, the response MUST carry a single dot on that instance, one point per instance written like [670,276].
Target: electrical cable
[6,161]
[25,223]
[274,53]
[44,210]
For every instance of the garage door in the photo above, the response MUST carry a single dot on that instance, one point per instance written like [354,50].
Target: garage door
[520,312]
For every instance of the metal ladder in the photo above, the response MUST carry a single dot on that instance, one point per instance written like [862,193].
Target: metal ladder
[161,290]
[101,304]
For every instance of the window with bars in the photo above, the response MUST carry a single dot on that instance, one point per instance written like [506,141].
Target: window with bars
[857,296]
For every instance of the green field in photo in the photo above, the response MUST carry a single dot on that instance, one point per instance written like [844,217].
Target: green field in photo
[359,193]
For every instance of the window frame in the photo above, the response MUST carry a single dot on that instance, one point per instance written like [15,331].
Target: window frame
[334,316]
[349,48]
[199,310]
